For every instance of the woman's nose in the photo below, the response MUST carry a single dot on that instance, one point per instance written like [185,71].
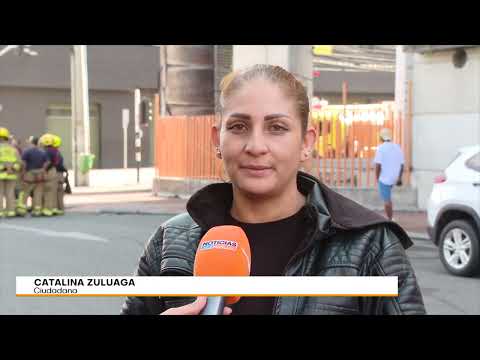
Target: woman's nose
[256,143]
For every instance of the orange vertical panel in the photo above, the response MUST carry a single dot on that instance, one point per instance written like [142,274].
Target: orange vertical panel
[184,147]
[343,154]
[166,147]
[317,150]
[210,148]
[204,148]
[189,149]
[206,152]
[352,154]
[175,150]
[200,149]
[331,153]
[369,151]
[194,119]
[171,152]
[174,145]
[337,150]
[324,147]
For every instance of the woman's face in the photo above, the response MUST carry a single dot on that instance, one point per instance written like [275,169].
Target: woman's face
[260,139]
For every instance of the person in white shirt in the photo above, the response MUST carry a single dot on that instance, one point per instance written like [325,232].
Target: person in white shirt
[389,161]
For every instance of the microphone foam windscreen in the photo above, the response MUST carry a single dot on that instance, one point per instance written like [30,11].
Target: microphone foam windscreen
[223,251]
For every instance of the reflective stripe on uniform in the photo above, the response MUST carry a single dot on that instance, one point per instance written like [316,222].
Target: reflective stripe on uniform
[8,155]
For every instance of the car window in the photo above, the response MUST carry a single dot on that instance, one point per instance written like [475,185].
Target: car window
[455,158]
[474,162]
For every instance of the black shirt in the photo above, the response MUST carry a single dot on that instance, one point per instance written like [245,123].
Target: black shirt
[272,245]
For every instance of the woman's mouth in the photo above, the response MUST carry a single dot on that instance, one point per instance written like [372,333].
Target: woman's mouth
[257,170]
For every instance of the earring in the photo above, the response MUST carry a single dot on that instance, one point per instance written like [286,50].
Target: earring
[219,154]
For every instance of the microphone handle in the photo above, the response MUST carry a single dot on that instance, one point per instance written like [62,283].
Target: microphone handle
[214,306]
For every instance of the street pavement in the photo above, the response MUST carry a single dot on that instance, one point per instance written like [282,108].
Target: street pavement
[105,234]
[77,244]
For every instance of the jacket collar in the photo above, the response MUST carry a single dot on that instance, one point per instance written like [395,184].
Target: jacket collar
[209,206]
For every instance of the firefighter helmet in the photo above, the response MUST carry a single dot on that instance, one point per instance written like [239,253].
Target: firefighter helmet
[57,141]
[46,140]
[4,133]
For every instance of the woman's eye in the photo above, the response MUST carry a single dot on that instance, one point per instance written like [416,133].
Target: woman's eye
[278,128]
[237,127]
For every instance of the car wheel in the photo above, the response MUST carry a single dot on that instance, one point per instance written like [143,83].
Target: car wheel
[460,248]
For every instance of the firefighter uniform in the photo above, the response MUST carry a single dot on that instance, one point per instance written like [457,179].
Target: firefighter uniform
[33,180]
[10,167]
[51,181]
[61,170]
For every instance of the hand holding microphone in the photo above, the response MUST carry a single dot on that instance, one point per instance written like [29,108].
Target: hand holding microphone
[194,308]
[223,251]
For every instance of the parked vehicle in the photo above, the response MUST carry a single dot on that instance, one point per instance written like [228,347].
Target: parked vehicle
[454,213]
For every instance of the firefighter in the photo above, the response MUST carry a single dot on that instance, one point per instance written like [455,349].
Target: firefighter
[10,167]
[61,177]
[33,179]
[51,182]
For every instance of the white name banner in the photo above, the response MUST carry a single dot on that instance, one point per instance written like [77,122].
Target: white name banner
[207,286]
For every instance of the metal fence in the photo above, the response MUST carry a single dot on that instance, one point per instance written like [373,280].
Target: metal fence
[183,148]
[348,137]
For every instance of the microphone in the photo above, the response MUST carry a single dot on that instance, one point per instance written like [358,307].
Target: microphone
[222,251]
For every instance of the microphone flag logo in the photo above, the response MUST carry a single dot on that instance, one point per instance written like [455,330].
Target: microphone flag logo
[219,244]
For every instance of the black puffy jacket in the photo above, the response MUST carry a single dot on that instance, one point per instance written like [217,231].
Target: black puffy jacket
[344,239]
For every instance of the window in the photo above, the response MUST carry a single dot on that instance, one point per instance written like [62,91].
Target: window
[474,162]
[455,158]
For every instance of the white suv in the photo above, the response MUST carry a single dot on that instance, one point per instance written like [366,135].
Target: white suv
[454,213]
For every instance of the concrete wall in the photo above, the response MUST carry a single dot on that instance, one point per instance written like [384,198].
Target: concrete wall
[358,82]
[25,112]
[110,67]
[28,85]
[295,58]
[247,55]
[446,114]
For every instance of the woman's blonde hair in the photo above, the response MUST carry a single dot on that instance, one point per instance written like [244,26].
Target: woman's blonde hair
[292,88]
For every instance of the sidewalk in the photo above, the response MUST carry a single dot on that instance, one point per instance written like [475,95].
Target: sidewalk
[135,200]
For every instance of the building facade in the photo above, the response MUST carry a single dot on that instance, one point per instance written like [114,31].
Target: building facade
[362,87]
[35,97]
[445,108]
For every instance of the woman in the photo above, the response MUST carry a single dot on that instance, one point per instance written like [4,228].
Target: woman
[296,226]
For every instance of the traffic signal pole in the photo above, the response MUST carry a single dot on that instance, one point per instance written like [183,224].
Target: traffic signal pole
[138,132]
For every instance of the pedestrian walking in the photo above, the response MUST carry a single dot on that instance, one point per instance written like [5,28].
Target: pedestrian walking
[389,161]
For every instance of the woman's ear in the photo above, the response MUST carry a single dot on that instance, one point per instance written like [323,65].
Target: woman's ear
[308,143]
[215,134]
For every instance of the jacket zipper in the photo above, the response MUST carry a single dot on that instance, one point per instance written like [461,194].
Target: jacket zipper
[294,257]
[301,252]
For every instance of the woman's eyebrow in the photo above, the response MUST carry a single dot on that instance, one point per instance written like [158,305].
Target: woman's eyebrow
[266,118]
[275,116]
[240,116]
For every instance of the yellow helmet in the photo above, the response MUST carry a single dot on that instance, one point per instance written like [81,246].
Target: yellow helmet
[57,141]
[4,133]
[46,140]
